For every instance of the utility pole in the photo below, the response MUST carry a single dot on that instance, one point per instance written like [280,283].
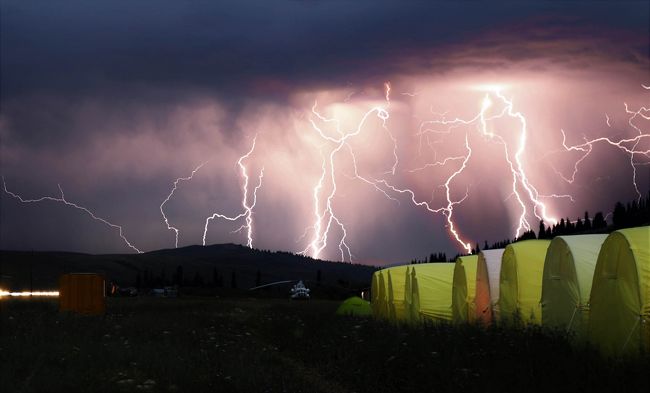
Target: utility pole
[31,275]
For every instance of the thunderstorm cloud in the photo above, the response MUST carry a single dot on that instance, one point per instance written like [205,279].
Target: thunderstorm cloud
[113,101]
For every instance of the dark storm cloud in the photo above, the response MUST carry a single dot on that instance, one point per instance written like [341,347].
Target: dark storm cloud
[116,99]
[108,59]
[263,47]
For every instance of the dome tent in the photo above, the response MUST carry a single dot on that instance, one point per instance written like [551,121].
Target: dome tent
[488,268]
[566,284]
[395,293]
[619,320]
[354,306]
[464,289]
[431,288]
[520,281]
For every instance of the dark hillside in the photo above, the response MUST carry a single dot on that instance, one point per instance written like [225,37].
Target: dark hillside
[219,265]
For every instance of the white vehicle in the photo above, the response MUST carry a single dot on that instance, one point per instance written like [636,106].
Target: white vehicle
[299,291]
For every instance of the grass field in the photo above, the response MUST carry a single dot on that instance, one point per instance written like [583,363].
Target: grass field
[209,344]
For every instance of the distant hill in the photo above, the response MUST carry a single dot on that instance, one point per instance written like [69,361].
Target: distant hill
[201,266]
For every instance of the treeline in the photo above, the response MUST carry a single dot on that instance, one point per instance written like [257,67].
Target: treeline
[633,214]
[178,279]
[148,279]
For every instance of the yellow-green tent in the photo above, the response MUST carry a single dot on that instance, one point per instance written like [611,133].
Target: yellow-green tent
[464,289]
[619,320]
[408,294]
[431,286]
[395,293]
[566,284]
[374,290]
[487,285]
[520,281]
[379,301]
[355,306]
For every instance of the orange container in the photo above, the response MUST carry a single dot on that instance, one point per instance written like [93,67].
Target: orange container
[83,293]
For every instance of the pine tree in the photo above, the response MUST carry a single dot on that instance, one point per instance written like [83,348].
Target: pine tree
[233,281]
[619,216]
[599,221]
[198,280]
[178,279]
[587,223]
[579,226]
[542,230]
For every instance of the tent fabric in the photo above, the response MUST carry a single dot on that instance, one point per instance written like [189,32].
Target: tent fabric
[374,291]
[408,295]
[566,284]
[520,281]
[380,306]
[619,320]
[412,304]
[464,289]
[431,291]
[395,293]
[487,285]
[83,293]
[354,306]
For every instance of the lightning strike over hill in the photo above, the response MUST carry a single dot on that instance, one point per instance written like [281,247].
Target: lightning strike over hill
[325,216]
[171,193]
[63,200]
[523,190]
[247,214]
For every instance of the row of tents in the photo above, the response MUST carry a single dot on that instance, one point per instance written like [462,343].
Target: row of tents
[596,287]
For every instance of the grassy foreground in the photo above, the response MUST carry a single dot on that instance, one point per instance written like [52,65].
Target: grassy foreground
[223,345]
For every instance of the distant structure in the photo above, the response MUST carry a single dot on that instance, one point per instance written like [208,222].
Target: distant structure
[299,291]
[82,293]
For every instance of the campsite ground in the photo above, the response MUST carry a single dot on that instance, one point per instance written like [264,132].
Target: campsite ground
[269,345]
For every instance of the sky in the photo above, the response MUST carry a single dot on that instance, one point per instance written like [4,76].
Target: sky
[366,131]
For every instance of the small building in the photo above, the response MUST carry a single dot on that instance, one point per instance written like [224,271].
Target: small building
[83,293]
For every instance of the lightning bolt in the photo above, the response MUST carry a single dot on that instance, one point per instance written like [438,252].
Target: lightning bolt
[171,193]
[325,216]
[247,213]
[524,191]
[63,200]
[626,145]
[522,188]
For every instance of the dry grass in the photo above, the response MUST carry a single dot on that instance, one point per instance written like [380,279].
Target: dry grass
[207,344]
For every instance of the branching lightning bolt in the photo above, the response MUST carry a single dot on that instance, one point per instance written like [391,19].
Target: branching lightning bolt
[63,200]
[247,214]
[627,145]
[171,193]
[521,185]
[325,216]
